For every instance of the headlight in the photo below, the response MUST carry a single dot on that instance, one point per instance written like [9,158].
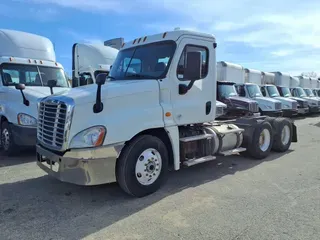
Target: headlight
[26,120]
[91,137]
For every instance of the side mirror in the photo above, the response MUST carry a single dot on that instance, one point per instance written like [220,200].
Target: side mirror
[51,84]
[193,69]
[101,78]
[20,86]
[192,72]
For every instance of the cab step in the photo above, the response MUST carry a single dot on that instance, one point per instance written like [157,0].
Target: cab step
[198,160]
[233,151]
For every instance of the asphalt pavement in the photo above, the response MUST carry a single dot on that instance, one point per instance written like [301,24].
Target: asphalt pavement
[230,198]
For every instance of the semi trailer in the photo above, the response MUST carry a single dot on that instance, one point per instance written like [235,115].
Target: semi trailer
[132,127]
[29,71]
[297,91]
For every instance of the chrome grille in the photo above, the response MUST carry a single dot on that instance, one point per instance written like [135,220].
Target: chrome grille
[219,111]
[254,107]
[52,123]
[294,105]
[278,106]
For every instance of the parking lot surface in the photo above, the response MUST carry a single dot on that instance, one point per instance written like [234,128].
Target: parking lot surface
[230,198]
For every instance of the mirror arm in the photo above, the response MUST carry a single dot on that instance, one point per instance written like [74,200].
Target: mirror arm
[183,88]
[25,100]
[98,106]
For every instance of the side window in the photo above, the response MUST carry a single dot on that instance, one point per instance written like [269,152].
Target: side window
[240,90]
[263,90]
[182,62]
[11,76]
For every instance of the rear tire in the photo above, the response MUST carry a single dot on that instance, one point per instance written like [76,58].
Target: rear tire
[7,142]
[142,166]
[261,142]
[283,136]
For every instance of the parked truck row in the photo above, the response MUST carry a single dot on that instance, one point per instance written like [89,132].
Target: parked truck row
[153,108]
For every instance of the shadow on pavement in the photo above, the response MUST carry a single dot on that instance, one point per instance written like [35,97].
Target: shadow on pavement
[45,208]
[21,157]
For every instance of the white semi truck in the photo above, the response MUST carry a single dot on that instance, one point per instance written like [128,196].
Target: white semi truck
[297,91]
[247,84]
[29,71]
[282,81]
[88,60]
[269,89]
[140,123]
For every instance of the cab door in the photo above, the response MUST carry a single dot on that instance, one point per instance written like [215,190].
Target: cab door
[198,104]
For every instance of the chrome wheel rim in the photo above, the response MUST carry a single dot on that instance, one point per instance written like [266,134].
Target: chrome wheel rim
[264,140]
[148,166]
[5,139]
[285,135]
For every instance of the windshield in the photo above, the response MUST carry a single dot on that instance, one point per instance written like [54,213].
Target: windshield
[286,92]
[301,92]
[254,90]
[226,90]
[273,91]
[309,92]
[147,61]
[32,75]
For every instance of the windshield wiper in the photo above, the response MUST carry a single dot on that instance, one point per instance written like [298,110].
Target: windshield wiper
[137,75]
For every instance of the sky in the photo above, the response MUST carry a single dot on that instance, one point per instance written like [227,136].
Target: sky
[271,35]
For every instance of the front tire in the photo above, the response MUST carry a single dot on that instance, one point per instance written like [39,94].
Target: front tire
[261,141]
[142,166]
[7,142]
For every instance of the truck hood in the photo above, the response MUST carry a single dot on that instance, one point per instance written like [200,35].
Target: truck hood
[285,100]
[33,93]
[298,99]
[242,99]
[87,94]
[266,100]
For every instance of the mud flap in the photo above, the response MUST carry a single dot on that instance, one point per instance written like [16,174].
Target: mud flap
[294,133]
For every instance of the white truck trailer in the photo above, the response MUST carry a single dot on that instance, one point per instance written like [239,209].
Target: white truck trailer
[307,84]
[138,124]
[268,89]
[297,91]
[88,60]
[247,85]
[29,71]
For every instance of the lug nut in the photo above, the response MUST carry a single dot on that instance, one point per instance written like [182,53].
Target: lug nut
[141,158]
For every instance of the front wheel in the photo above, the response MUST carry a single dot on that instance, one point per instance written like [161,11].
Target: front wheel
[7,142]
[142,166]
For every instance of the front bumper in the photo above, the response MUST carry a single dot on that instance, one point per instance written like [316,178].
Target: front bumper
[303,110]
[314,109]
[24,136]
[290,112]
[82,166]
[273,113]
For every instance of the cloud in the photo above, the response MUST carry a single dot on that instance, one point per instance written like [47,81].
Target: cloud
[81,37]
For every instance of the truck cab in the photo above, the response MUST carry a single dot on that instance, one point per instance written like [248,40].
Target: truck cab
[236,106]
[153,112]
[297,91]
[29,72]
[89,60]
[251,89]
[226,92]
